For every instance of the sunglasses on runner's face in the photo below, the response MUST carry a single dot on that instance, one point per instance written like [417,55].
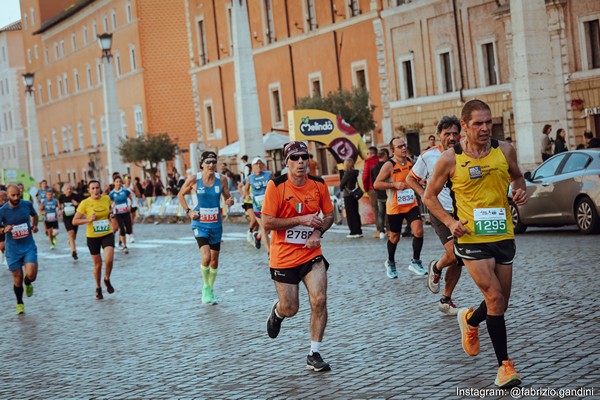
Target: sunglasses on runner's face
[214,162]
[296,157]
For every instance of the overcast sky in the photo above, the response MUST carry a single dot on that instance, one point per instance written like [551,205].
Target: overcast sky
[10,11]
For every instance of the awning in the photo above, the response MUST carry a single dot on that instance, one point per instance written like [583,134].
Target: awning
[271,141]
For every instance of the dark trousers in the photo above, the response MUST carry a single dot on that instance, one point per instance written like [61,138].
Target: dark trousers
[351,205]
[546,156]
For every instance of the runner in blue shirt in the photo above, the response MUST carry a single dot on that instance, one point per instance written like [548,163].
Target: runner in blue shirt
[258,180]
[49,208]
[121,200]
[20,220]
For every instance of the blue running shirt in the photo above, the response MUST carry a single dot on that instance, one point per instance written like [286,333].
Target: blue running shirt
[50,210]
[259,187]
[119,197]
[20,237]
[209,202]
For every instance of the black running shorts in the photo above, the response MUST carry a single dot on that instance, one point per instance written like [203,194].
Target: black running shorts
[94,244]
[295,275]
[503,251]
[396,220]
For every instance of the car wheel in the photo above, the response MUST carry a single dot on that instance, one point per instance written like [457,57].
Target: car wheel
[586,216]
[519,227]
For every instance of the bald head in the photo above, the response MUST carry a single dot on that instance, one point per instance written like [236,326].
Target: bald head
[14,194]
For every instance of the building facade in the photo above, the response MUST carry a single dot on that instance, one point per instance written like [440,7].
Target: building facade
[13,138]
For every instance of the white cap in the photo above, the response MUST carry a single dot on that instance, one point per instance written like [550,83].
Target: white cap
[257,159]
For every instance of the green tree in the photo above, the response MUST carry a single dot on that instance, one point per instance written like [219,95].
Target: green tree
[150,149]
[352,105]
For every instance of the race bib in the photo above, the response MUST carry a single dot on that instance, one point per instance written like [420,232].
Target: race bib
[20,231]
[121,208]
[209,214]
[298,234]
[258,200]
[406,196]
[489,221]
[50,216]
[101,226]
[69,210]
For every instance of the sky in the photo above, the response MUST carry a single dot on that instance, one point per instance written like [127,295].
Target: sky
[10,11]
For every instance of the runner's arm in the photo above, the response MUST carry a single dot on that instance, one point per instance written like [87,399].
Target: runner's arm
[279,224]
[414,184]
[226,195]
[187,188]
[80,219]
[517,182]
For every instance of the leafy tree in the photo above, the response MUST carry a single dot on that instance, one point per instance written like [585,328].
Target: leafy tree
[150,149]
[352,105]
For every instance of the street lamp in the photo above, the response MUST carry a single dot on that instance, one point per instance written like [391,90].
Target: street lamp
[111,108]
[36,168]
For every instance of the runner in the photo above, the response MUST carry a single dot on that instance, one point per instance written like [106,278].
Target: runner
[68,202]
[94,211]
[120,199]
[401,204]
[255,187]
[3,197]
[448,131]
[293,203]
[135,195]
[49,208]
[207,222]
[20,220]
[247,203]
[479,170]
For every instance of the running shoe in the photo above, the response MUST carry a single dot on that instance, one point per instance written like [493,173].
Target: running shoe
[125,250]
[249,236]
[470,334]
[130,238]
[274,322]
[507,377]
[376,235]
[52,246]
[99,294]
[416,267]
[256,240]
[382,235]
[433,280]
[390,268]
[207,295]
[20,308]
[314,362]
[109,288]
[213,298]
[355,236]
[28,289]
[120,244]
[55,240]
[447,306]
[74,255]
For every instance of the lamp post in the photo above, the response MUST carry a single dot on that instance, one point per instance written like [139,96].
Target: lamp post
[111,108]
[36,168]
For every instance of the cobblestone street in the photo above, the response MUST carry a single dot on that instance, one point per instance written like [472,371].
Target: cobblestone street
[154,339]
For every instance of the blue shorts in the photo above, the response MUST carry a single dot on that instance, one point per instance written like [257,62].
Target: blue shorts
[213,232]
[16,259]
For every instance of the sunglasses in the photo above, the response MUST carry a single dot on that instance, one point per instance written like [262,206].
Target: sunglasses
[214,162]
[296,157]
[401,146]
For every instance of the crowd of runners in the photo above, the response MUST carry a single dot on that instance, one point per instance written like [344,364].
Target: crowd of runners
[463,183]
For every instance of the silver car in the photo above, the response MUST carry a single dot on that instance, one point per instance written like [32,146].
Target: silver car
[564,190]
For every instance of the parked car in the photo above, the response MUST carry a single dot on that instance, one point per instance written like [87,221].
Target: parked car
[564,190]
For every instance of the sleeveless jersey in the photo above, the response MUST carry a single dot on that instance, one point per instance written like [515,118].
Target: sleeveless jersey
[400,201]
[258,183]
[479,190]
[208,202]
[50,210]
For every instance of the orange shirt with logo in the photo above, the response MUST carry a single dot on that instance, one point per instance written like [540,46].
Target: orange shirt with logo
[285,200]
[400,201]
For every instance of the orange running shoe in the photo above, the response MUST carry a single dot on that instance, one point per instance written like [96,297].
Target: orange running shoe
[470,334]
[507,376]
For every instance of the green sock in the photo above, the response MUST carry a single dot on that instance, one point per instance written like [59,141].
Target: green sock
[212,276]
[205,274]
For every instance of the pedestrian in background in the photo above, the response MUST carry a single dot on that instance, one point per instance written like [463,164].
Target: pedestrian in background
[560,144]
[348,185]
[370,162]
[546,142]
[383,155]
[313,166]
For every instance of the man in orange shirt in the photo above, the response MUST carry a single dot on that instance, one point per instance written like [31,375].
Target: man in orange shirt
[313,166]
[291,209]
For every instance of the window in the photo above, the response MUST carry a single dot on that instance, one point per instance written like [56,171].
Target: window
[113,16]
[29,56]
[445,72]
[66,83]
[591,36]
[62,48]
[7,85]
[3,54]
[70,138]
[104,129]
[118,63]
[230,26]
[80,135]
[489,74]
[98,71]
[88,72]
[32,17]
[202,53]
[85,35]
[73,42]
[54,142]
[76,79]
[55,50]
[353,8]
[209,118]
[46,56]
[549,168]
[105,22]
[139,121]
[94,29]
[269,24]
[93,133]
[576,162]
[275,103]
[128,11]
[10,124]
[132,57]
[25,21]
[405,77]
[46,147]
[359,74]
[36,53]
[65,142]
[314,84]
[59,87]
[123,124]
[49,84]
[40,94]
[311,18]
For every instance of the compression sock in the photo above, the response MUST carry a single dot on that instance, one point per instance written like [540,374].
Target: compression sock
[417,244]
[315,347]
[479,315]
[19,294]
[212,276]
[391,247]
[26,280]
[205,274]
[497,330]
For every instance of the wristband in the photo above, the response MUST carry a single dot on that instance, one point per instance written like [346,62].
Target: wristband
[187,211]
[321,230]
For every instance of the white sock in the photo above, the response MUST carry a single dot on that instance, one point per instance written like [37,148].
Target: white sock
[315,347]
[277,314]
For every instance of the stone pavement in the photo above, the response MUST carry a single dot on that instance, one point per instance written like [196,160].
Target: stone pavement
[154,339]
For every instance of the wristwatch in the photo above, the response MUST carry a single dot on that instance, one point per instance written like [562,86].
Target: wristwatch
[187,211]
[321,230]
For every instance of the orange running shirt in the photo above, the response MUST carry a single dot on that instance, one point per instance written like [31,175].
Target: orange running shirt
[284,200]
[400,201]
